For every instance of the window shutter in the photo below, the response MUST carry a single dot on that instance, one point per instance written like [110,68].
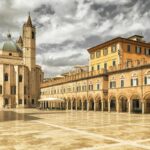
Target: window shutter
[137,81]
[145,80]
[110,84]
[131,82]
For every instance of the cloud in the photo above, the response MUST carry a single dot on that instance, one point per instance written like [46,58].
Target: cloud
[66,28]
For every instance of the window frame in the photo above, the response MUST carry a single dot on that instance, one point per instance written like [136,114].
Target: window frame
[113,48]
[105,51]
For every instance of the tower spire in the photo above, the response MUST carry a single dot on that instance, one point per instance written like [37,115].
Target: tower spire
[29,21]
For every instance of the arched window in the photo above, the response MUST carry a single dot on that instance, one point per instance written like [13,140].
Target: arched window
[122,81]
[134,80]
[6,77]
[20,78]
[147,78]
[113,83]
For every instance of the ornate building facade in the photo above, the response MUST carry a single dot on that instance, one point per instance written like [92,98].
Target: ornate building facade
[20,77]
[117,79]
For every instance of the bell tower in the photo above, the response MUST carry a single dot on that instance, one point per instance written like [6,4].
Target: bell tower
[29,43]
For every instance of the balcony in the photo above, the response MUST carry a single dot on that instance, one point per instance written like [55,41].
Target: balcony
[90,74]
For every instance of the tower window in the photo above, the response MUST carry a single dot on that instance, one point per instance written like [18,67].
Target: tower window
[6,77]
[33,35]
[20,78]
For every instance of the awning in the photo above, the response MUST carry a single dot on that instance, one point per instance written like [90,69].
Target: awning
[51,99]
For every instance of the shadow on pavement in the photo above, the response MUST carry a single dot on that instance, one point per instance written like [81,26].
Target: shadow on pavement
[12,116]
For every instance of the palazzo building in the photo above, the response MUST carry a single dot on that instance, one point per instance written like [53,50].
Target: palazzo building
[20,77]
[117,79]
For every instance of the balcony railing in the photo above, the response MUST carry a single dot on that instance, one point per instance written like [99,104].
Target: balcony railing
[84,75]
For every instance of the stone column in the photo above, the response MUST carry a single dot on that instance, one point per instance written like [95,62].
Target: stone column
[76,105]
[95,104]
[82,105]
[117,106]
[102,105]
[67,105]
[71,105]
[143,107]
[88,105]
[50,105]
[129,106]
[109,106]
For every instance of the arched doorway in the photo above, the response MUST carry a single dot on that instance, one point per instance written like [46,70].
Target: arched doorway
[113,104]
[85,105]
[79,104]
[74,104]
[147,103]
[98,107]
[123,103]
[6,102]
[91,104]
[64,105]
[136,104]
[69,104]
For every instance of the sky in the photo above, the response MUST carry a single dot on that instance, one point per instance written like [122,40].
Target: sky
[65,29]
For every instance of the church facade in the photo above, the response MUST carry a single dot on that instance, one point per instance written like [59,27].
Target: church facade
[20,77]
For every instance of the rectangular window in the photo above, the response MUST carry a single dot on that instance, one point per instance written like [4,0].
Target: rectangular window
[92,68]
[105,51]
[33,35]
[91,87]
[129,62]
[6,77]
[105,66]
[128,48]
[98,86]
[20,78]
[122,83]
[147,80]
[1,89]
[138,50]
[98,67]
[92,55]
[113,48]
[134,82]
[98,53]
[147,51]
[113,84]
[113,63]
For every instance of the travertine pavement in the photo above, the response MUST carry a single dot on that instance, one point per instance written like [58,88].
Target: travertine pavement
[32,129]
